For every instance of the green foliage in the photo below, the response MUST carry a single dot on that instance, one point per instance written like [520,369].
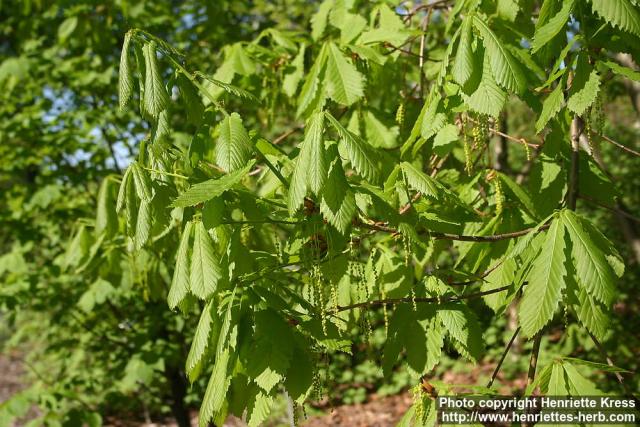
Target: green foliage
[275,195]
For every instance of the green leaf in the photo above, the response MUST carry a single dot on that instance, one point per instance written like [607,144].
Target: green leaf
[292,80]
[310,170]
[200,342]
[258,409]
[557,385]
[229,88]
[546,282]
[234,149]
[619,13]
[508,9]
[463,327]
[592,267]
[592,314]
[270,354]
[180,283]
[125,76]
[545,33]
[122,191]
[551,107]
[143,224]
[312,93]
[463,63]
[622,70]
[488,98]
[444,139]
[505,69]
[207,190]
[420,181]
[106,216]
[378,134]
[344,82]
[319,19]
[359,153]
[156,98]
[205,270]
[579,385]
[142,182]
[338,205]
[584,91]
[214,396]
[67,28]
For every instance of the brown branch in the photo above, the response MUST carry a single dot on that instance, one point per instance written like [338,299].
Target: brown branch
[287,134]
[507,136]
[449,236]
[504,355]
[619,377]
[611,208]
[617,144]
[438,300]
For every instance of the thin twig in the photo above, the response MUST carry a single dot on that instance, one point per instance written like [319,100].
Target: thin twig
[438,300]
[619,377]
[507,136]
[617,144]
[461,237]
[287,134]
[611,208]
[504,355]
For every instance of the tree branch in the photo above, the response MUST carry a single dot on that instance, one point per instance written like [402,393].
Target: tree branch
[504,355]
[440,300]
[449,236]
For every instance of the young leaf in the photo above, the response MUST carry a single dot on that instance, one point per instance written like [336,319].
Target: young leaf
[125,76]
[344,82]
[463,327]
[234,148]
[142,182]
[156,98]
[205,270]
[143,224]
[360,155]
[106,216]
[551,106]
[338,204]
[200,342]
[207,190]
[214,396]
[505,68]
[584,91]
[319,20]
[463,63]
[313,144]
[122,191]
[619,13]
[488,98]
[546,282]
[592,267]
[312,93]
[180,282]
[292,80]
[420,181]
[545,33]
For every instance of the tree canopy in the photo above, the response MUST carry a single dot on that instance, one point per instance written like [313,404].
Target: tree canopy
[203,202]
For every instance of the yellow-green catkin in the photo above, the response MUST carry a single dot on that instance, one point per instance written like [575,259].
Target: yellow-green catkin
[418,403]
[296,416]
[499,195]
[400,114]
[466,147]
[385,310]
[527,150]
[588,131]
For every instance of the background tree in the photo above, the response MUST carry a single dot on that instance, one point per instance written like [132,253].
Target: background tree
[416,172]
